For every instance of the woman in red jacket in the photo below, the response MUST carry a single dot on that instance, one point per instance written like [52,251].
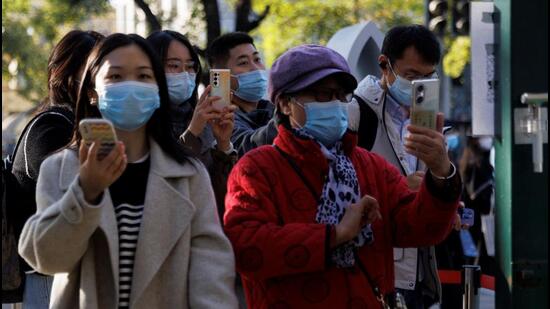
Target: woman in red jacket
[313,218]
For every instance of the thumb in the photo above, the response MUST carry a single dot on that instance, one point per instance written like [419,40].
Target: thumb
[82,152]
[440,122]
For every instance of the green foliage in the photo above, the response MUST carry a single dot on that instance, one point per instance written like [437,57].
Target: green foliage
[30,30]
[292,22]
[458,55]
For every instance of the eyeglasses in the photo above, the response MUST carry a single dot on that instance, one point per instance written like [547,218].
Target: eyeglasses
[411,77]
[326,95]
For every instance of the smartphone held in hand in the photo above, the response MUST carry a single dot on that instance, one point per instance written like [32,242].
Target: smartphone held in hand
[98,129]
[425,105]
[220,79]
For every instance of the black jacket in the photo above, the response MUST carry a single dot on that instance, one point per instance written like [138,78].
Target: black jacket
[47,132]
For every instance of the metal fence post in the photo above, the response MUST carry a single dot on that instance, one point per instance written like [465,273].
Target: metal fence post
[471,277]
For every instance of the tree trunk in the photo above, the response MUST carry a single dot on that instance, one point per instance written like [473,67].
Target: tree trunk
[213,25]
[152,21]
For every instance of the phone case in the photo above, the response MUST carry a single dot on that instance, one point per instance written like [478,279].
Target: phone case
[425,105]
[98,129]
[221,87]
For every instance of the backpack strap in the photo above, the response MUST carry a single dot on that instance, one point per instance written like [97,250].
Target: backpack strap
[368,124]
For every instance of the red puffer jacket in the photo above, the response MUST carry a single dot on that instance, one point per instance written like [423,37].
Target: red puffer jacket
[283,254]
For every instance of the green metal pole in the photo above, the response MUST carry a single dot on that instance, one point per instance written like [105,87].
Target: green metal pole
[521,194]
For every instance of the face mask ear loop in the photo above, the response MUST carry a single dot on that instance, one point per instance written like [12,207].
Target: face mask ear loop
[393,72]
[294,101]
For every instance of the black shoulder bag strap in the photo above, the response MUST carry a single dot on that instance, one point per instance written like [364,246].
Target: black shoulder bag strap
[298,172]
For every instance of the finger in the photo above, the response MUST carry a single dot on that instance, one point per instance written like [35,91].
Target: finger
[422,140]
[420,174]
[205,94]
[461,204]
[92,152]
[418,152]
[110,158]
[422,130]
[82,152]
[440,122]
[121,167]
[118,158]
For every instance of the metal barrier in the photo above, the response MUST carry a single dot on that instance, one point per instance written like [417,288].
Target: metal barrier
[471,277]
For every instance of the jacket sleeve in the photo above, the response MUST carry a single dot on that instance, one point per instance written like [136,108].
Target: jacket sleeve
[420,218]
[212,264]
[264,245]
[219,172]
[246,138]
[191,143]
[55,238]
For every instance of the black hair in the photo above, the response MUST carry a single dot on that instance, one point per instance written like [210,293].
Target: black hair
[159,126]
[65,62]
[160,41]
[218,51]
[401,37]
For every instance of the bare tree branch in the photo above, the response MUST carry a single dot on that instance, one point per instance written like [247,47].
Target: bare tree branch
[213,24]
[247,19]
[152,21]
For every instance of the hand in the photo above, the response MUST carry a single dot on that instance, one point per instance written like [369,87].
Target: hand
[97,175]
[223,128]
[415,180]
[429,146]
[356,216]
[457,223]
[204,112]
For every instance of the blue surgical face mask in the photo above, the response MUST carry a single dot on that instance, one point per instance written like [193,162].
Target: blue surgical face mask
[327,122]
[128,105]
[180,86]
[401,89]
[453,142]
[252,85]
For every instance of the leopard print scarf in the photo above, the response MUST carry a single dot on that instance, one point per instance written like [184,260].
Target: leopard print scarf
[340,190]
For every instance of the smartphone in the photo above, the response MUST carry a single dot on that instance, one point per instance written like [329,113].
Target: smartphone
[101,130]
[466,216]
[425,105]
[220,80]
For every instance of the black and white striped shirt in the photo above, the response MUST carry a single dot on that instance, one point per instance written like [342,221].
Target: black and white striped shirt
[128,195]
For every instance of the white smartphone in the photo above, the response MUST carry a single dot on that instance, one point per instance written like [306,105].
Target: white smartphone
[99,129]
[425,104]
[220,79]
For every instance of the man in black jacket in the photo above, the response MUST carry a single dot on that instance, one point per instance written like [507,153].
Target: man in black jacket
[254,119]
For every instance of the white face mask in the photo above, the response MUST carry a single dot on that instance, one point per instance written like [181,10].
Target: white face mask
[485,143]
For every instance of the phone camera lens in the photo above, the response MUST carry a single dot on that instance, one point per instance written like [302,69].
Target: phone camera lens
[420,88]
[419,99]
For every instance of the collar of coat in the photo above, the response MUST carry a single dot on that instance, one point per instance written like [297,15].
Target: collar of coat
[161,165]
[307,151]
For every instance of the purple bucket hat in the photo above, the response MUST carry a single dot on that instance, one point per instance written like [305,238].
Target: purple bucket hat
[302,66]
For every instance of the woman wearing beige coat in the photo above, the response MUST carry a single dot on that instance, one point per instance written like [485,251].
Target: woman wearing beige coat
[180,257]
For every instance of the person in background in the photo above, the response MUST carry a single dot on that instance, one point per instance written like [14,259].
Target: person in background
[313,219]
[137,228]
[408,52]
[478,174]
[202,129]
[254,120]
[50,130]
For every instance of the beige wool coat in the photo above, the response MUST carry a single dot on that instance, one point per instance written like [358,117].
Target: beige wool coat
[183,259]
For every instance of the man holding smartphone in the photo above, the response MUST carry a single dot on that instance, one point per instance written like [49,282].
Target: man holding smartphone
[254,122]
[408,53]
